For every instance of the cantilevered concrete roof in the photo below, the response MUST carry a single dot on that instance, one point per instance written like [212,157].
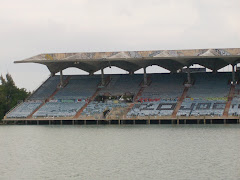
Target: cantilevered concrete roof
[131,61]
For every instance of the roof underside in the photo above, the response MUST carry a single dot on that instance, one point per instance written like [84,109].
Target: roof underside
[131,61]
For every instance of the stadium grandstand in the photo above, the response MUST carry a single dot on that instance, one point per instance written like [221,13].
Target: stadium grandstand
[185,95]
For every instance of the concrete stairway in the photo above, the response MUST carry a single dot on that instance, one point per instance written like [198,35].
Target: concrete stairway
[86,104]
[179,103]
[107,81]
[230,97]
[50,97]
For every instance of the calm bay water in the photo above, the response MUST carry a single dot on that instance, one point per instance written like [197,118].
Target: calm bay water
[120,152]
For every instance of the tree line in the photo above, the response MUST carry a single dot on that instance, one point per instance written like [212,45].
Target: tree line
[10,94]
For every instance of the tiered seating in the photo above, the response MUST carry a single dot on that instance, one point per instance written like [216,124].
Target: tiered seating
[161,108]
[79,87]
[71,98]
[58,109]
[234,109]
[47,89]
[210,86]
[24,110]
[165,86]
[121,84]
[96,109]
[201,108]
[160,98]
[207,96]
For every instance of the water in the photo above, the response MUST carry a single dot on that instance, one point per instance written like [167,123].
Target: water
[120,152]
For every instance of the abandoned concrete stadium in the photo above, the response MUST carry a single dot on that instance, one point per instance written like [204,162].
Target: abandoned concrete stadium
[183,96]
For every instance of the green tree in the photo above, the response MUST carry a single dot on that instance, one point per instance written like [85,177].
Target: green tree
[10,94]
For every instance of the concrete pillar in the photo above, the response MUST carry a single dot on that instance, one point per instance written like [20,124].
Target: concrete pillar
[97,122]
[52,74]
[37,122]
[61,78]
[188,75]
[49,122]
[148,121]
[134,122]
[204,121]
[159,121]
[102,77]
[85,122]
[144,76]
[73,122]
[225,121]
[26,122]
[109,122]
[177,121]
[61,122]
[119,122]
[210,121]
[233,74]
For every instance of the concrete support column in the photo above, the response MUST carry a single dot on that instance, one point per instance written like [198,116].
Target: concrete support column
[61,78]
[61,122]
[52,74]
[85,122]
[188,75]
[37,122]
[73,122]
[145,76]
[102,76]
[233,74]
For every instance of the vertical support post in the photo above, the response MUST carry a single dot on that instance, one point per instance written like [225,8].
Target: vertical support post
[97,122]
[159,121]
[61,78]
[148,121]
[134,122]
[210,121]
[102,77]
[37,122]
[73,122]
[188,75]
[109,122]
[224,121]
[185,121]
[52,74]
[233,74]
[119,121]
[177,121]
[204,121]
[26,122]
[49,122]
[85,122]
[145,76]
[61,122]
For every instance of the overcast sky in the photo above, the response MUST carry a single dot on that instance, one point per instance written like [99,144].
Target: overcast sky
[31,27]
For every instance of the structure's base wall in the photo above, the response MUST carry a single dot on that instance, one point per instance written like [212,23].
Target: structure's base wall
[120,121]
